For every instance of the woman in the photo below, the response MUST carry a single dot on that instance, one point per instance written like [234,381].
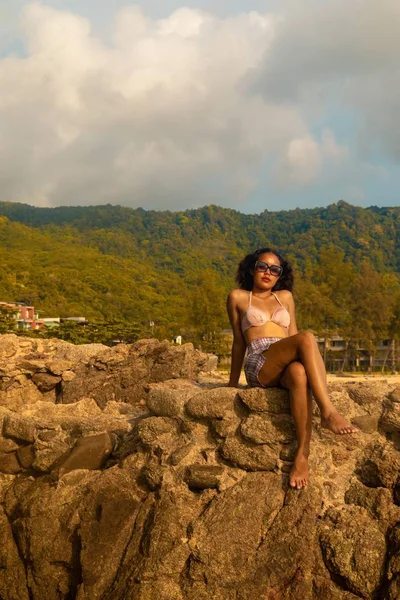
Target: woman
[262,314]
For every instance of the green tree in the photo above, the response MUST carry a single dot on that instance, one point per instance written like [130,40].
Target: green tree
[316,311]
[370,305]
[7,320]
[206,315]
[94,333]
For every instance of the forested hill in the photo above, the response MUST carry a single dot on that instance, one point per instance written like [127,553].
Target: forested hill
[299,233]
[115,262]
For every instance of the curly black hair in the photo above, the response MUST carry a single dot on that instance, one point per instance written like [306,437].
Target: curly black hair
[244,276]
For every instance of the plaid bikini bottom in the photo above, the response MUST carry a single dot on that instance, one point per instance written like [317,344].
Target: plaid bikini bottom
[255,359]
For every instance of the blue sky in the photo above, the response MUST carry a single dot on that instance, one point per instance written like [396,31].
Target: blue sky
[166,105]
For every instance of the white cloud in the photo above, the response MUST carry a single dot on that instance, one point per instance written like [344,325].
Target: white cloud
[159,118]
[304,159]
[300,164]
[343,54]
[192,108]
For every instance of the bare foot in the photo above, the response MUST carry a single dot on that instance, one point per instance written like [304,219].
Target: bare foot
[338,424]
[299,474]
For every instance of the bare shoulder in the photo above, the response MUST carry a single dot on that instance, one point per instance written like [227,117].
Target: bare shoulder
[235,306]
[236,296]
[285,296]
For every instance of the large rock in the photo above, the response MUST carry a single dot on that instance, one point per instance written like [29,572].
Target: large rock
[31,370]
[354,550]
[124,475]
[390,417]
[12,575]
[220,560]
[287,555]
[211,403]
[249,456]
[380,465]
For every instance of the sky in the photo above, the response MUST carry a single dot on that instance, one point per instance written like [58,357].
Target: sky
[250,105]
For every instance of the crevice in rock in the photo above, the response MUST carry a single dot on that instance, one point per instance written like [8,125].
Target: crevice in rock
[58,392]
[185,579]
[144,544]
[76,575]
[240,409]
[12,519]
[99,512]
[341,583]
[396,492]
[289,581]
[30,593]
[204,510]
[110,593]
[265,533]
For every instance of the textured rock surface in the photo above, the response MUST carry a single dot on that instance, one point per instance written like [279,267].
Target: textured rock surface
[124,478]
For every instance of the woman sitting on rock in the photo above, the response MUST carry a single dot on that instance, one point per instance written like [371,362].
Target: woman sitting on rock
[262,314]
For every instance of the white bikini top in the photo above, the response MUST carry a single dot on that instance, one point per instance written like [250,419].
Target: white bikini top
[254,317]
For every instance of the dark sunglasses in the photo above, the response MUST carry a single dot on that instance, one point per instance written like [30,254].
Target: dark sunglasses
[263,267]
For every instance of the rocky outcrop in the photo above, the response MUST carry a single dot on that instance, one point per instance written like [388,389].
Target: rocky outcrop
[125,476]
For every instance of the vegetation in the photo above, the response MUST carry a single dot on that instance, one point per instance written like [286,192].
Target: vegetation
[124,268]
[102,332]
[7,320]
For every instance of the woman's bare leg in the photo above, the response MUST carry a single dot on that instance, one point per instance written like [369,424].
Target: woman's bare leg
[303,347]
[294,379]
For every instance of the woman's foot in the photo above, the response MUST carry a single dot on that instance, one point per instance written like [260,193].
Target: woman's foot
[298,477]
[338,424]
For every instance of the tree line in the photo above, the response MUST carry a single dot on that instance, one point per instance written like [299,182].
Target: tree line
[124,269]
[332,297]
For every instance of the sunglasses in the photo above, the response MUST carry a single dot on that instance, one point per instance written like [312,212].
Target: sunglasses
[263,267]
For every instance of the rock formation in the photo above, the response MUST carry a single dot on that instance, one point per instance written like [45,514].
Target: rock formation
[126,476]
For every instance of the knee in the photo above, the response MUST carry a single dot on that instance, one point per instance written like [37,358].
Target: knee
[307,339]
[297,374]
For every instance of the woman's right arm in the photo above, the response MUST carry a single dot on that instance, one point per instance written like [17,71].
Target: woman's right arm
[239,343]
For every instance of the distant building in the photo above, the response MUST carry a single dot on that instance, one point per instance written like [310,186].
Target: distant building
[48,322]
[25,316]
[341,354]
[81,320]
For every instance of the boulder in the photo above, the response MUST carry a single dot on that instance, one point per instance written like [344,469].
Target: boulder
[201,477]
[212,403]
[89,452]
[126,474]
[250,457]
[13,578]
[380,465]
[390,417]
[275,430]
[45,381]
[272,400]
[377,501]
[168,402]
[354,549]
[19,428]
